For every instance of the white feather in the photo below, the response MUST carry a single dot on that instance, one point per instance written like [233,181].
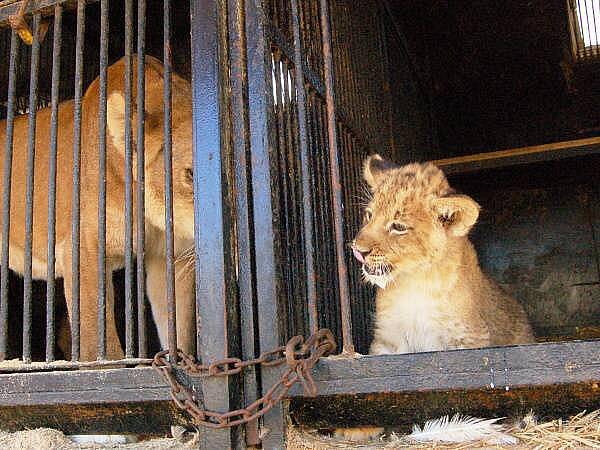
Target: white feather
[461,429]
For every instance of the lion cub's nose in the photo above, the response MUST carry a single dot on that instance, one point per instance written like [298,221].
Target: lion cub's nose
[359,253]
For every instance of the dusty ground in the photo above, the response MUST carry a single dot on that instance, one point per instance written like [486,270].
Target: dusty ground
[49,439]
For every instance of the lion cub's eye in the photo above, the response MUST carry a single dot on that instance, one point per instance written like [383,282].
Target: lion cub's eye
[368,215]
[398,228]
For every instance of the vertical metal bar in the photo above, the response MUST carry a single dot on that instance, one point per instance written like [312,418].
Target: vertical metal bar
[595,28]
[261,141]
[240,141]
[102,181]
[311,290]
[27,275]
[140,188]
[338,207]
[210,272]
[6,189]
[50,289]
[75,231]
[128,183]
[167,147]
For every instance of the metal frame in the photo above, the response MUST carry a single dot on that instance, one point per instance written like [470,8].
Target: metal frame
[239,128]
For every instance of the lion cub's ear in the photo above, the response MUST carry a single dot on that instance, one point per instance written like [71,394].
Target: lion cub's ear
[375,169]
[457,213]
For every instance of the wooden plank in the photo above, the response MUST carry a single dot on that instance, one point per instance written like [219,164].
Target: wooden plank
[522,155]
[402,410]
[148,418]
[489,368]
[83,386]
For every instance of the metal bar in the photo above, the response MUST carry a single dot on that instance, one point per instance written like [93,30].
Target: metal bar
[296,211]
[282,44]
[128,183]
[311,289]
[262,134]
[338,207]
[6,189]
[27,274]
[64,365]
[167,148]
[75,231]
[50,287]
[102,181]
[594,22]
[247,265]
[211,296]
[140,187]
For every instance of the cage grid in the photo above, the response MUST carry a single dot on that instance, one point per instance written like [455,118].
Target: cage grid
[288,98]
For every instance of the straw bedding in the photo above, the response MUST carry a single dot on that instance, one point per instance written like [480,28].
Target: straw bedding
[579,431]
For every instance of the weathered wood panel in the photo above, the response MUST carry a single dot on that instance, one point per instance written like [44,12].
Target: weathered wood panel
[148,418]
[489,368]
[83,386]
[400,410]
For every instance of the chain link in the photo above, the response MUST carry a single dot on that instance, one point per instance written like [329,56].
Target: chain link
[299,355]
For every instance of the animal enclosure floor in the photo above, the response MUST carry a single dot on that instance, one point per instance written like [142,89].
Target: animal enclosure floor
[50,439]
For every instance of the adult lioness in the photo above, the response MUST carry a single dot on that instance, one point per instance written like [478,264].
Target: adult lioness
[115,200]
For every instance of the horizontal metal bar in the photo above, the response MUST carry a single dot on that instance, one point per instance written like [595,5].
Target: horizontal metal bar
[45,7]
[19,366]
[491,368]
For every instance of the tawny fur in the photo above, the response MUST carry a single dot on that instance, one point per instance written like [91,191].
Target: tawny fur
[115,200]
[432,294]
[436,296]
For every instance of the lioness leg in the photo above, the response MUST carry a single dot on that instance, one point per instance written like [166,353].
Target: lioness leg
[156,290]
[88,306]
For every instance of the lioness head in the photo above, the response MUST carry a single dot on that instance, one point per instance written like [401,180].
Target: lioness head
[411,220]
[154,173]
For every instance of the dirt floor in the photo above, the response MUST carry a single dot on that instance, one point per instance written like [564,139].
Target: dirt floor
[49,439]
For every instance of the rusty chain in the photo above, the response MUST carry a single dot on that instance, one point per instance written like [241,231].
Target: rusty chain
[299,355]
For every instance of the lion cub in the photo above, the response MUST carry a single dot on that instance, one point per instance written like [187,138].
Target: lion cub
[432,293]
[414,246]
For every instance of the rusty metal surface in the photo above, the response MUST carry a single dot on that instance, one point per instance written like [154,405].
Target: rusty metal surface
[299,355]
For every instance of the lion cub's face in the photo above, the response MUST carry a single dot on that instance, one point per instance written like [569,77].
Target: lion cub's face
[410,220]
[181,126]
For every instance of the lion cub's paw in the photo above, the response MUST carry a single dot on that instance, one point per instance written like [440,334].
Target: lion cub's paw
[358,434]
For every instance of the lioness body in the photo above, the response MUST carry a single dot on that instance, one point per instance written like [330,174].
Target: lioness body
[115,200]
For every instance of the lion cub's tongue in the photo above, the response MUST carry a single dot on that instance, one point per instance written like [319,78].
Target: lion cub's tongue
[358,255]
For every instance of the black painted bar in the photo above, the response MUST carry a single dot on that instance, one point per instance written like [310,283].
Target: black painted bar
[6,189]
[240,141]
[27,275]
[51,281]
[212,307]
[128,182]
[261,135]
[338,207]
[140,187]
[75,230]
[311,290]
[167,148]
[102,181]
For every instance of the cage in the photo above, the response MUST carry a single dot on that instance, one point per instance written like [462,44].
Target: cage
[287,100]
